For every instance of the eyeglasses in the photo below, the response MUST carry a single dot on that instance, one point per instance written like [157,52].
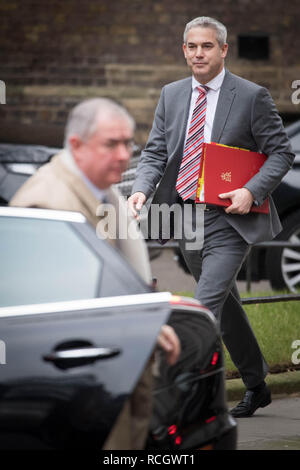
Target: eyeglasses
[112,144]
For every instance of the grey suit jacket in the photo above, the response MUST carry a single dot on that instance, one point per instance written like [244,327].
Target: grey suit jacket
[245,117]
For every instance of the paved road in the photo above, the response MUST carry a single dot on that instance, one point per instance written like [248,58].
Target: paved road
[276,427]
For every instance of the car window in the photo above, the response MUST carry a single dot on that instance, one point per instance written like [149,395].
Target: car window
[45,261]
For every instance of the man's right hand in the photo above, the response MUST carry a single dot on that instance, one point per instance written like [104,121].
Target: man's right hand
[170,343]
[135,203]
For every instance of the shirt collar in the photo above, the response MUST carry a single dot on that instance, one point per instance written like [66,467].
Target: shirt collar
[214,84]
[100,194]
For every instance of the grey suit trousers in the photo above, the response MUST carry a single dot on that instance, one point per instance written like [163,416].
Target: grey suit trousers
[215,267]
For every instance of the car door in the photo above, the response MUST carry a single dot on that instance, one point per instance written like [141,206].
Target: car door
[71,366]
[72,359]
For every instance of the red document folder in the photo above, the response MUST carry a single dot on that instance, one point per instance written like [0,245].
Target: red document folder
[224,169]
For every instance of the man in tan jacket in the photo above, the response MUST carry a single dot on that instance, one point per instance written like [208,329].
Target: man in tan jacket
[98,147]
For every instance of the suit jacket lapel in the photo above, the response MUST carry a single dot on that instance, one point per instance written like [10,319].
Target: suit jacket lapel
[184,98]
[226,97]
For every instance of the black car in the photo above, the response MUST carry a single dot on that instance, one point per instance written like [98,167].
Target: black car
[18,162]
[282,265]
[78,325]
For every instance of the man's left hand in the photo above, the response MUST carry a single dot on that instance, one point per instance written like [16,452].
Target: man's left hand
[241,199]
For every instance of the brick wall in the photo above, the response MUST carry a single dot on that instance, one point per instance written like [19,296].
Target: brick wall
[55,53]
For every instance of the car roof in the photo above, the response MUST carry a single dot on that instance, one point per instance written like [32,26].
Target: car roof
[17,153]
[36,213]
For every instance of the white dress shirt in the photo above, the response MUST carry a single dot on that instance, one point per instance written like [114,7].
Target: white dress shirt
[100,194]
[212,100]
[67,157]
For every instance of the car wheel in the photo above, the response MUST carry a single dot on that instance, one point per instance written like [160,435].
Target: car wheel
[283,264]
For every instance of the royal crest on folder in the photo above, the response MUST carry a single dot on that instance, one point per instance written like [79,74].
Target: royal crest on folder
[226,176]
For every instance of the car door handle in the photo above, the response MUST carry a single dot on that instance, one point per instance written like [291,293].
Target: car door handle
[75,357]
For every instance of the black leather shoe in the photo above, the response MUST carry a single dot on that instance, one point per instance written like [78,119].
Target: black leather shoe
[250,403]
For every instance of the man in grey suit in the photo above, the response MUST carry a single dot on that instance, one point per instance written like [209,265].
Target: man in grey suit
[234,112]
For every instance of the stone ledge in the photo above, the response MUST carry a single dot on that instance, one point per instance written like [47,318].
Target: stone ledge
[286,383]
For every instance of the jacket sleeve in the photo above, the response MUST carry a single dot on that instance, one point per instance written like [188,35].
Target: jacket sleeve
[154,157]
[271,139]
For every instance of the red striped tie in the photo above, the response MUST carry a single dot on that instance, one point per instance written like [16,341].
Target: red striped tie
[189,168]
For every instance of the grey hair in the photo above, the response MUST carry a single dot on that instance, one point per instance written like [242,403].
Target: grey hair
[84,117]
[207,22]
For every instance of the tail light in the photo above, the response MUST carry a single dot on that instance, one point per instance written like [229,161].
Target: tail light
[215,358]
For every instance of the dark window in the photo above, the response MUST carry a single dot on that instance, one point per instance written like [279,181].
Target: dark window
[253,47]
